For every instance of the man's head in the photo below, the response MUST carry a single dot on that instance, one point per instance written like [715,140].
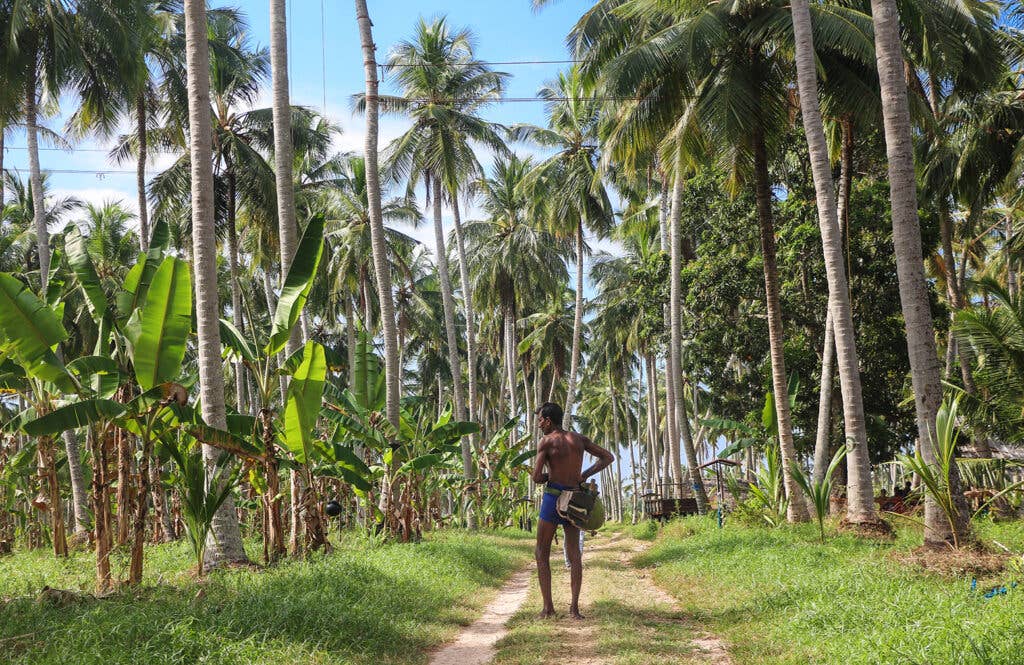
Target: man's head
[549,417]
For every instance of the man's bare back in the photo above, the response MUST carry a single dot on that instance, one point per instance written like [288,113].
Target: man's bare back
[561,452]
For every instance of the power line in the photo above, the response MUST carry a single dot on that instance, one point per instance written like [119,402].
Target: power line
[98,172]
[478,63]
[41,149]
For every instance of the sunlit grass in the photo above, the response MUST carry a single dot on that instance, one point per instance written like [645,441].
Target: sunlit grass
[361,604]
[778,596]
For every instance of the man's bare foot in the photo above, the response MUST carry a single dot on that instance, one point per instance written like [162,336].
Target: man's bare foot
[575,614]
[546,614]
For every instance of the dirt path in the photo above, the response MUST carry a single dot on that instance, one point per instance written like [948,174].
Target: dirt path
[475,644]
[628,619]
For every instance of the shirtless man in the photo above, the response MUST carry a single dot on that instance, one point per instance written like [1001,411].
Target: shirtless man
[562,453]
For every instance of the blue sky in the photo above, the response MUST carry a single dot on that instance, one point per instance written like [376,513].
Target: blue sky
[325,32]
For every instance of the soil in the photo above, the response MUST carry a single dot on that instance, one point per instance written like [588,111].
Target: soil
[475,644]
[627,619]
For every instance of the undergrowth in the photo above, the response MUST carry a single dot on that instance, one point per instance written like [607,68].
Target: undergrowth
[361,604]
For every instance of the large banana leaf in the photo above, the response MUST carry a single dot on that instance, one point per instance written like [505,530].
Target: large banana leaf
[74,416]
[234,342]
[84,271]
[139,278]
[305,393]
[297,284]
[31,329]
[369,388]
[100,372]
[164,325]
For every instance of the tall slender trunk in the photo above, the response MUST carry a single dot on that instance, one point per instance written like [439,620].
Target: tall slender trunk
[634,507]
[906,231]
[236,290]
[448,303]
[860,503]
[35,174]
[666,208]
[468,443]
[821,440]
[654,476]
[140,170]
[797,507]
[509,333]
[3,181]
[1011,273]
[79,494]
[467,294]
[577,329]
[225,542]
[675,350]
[281,110]
[380,257]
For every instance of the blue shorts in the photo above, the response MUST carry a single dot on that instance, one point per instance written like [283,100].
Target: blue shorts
[548,510]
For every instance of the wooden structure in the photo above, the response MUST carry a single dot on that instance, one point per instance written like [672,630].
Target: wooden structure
[659,508]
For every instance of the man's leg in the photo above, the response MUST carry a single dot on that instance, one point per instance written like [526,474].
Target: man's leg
[572,535]
[545,531]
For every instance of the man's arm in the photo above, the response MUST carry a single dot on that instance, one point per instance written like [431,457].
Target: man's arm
[604,458]
[538,474]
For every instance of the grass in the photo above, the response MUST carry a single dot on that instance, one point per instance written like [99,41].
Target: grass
[778,596]
[362,604]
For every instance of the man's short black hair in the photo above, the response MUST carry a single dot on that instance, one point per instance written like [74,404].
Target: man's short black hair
[552,412]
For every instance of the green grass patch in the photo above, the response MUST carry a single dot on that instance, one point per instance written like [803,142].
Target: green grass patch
[361,604]
[778,596]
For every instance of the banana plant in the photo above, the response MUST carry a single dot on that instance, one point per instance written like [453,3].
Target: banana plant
[286,438]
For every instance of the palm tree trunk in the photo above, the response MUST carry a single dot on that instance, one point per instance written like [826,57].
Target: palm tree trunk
[821,440]
[860,501]
[3,181]
[652,421]
[288,229]
[797,508]
[380,258]
[671,428]
[140,171]
[35,174]
[350,341]
[236,292]
[577,329]
[924,362]
[467,295]
[675,351]
[448,303]
[225,543]
[79,494]
[1011,272]
[468,443]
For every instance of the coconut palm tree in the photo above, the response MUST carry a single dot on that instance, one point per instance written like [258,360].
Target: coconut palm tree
[576,201]
[443,88]
[906,237]
[860,496]
[283,148]
[380,258]
[226,535]
[713,79]
[512,264]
